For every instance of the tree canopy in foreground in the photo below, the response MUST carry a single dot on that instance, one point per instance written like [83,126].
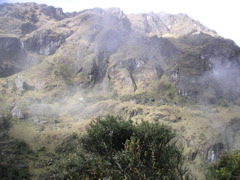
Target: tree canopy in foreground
[117,149]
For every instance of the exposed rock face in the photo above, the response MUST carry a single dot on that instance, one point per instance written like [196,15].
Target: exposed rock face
[164,23]
[11,52]
[44,42]
[131,51]
[53,12]
[232,133]
[213,152]
[16,112]
[27,28]
[104,33]
[23,18]
[9,45]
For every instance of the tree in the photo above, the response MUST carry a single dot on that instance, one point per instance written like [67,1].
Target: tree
[117,149]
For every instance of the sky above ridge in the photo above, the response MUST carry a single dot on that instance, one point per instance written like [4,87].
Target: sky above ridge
[219,15]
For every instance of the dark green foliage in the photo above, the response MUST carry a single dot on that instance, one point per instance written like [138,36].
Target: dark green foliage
[14,153]
[118,149]
[107,136]
[11,172]
[5,122]
[78,165]
[13,159]
[69,144]
[152,150]
[227,168]
[22,148]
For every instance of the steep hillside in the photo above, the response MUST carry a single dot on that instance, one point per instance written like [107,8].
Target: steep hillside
[58,70]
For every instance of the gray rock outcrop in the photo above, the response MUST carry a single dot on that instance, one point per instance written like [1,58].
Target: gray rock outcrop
[17,112]
[45,41]
[10,55]
[213,152]
[28,28]
[9,45]
[53,12]
[19,82]
[231,134]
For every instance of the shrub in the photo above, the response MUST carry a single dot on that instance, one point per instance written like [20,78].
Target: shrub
[18,154]
[107,136]
[11,172]
[228,167]
[4,122]
[118,149]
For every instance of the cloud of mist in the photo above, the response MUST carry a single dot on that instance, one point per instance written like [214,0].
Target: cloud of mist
[223,78]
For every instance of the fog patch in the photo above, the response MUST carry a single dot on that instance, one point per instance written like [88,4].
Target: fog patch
[222,80]
[41,110]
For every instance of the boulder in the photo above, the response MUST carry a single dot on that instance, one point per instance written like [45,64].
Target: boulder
[17,112]
[19,82]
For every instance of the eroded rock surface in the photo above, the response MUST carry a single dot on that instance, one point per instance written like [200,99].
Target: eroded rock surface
[17,112]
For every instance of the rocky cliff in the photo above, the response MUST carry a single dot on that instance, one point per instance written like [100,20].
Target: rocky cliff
[108,48]
[154,66]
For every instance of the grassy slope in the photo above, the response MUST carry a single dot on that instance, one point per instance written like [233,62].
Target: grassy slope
[73,107]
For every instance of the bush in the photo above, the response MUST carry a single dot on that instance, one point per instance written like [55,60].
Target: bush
[4,122]
[228,167]
[107,136]
[11,172]
[118,149]
[18,154]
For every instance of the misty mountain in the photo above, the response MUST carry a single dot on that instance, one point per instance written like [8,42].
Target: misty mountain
[154,66]
[118,53]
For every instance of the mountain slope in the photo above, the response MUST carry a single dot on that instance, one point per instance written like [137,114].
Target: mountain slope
[159,67]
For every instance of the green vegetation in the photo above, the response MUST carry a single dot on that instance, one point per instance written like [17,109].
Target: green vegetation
[4,123]
[10,172]
[75,67]
[14,154]
[227,168]
[118,149]
[13,159]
